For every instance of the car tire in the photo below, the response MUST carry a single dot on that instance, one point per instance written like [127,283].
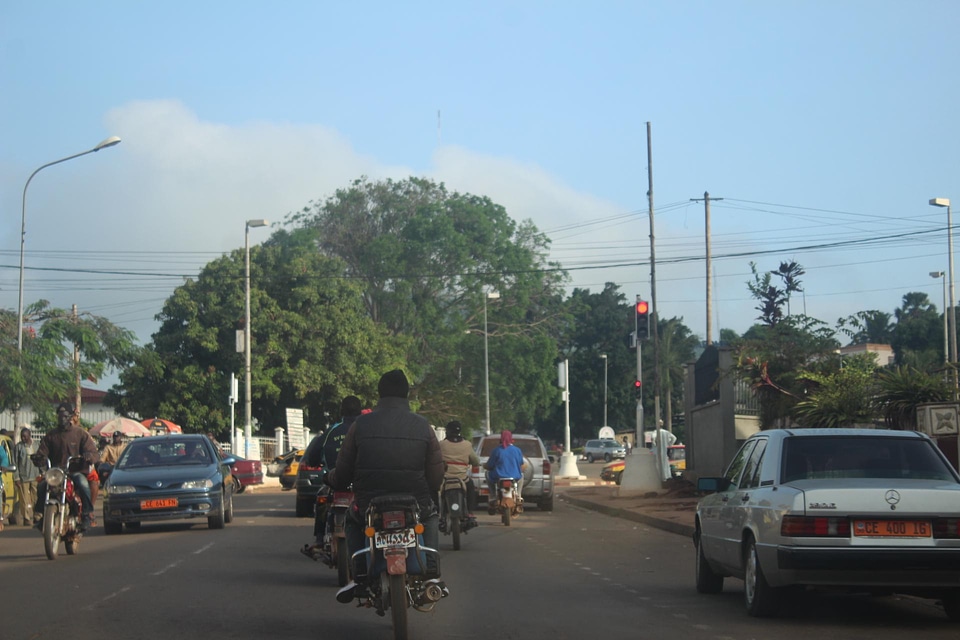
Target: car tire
[304,508]
[607,457]
[760,598]
[708,581]
[241,487]
[546,505]
[590,458]
[228,511]
[217,520]
[951,604]
[112,527]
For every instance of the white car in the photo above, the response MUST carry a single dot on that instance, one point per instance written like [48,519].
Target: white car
[538,473]
[862,509]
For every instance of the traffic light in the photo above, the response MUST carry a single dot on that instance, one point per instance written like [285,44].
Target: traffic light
[643,319]
[638,388]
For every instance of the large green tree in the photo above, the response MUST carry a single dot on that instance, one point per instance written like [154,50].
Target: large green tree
[48,371]
[312,341]
[426,258]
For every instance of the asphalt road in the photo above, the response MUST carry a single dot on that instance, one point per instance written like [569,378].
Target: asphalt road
[571,573]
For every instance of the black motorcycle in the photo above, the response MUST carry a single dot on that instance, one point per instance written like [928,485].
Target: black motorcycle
[455,519]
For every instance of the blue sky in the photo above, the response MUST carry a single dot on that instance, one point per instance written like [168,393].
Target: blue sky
[825,127]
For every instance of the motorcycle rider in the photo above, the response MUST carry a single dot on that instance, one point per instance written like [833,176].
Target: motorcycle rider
[66,441]
[389,450]
[458,457]
[323,452]
[506,461]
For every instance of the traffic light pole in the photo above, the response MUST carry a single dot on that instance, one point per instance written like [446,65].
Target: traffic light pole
[640,441]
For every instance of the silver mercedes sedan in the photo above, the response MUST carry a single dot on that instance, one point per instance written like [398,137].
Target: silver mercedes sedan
[865,509]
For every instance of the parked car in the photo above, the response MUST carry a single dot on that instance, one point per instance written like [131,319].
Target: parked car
[538,474]
[285,468]
[861,509]
[246,473]
[168,477]
[677,458]
[607,449]
[613,471]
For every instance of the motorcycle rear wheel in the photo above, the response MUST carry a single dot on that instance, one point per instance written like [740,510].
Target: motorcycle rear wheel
[455,531]
[398,606]
[51,531]
[505,516]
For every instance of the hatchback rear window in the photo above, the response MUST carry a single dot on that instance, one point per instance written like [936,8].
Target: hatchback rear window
[862,457]
[529,448]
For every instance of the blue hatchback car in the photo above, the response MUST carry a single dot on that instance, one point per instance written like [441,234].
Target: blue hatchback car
[168,477]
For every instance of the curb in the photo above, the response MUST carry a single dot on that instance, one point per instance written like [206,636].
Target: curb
[626,514]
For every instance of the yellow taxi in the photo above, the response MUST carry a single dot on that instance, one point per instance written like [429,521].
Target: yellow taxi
[285,467]
[7,479]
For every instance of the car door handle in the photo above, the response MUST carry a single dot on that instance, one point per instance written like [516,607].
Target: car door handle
[744,497]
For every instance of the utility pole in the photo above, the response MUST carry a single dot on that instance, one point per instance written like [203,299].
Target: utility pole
[653,290]
[706,212]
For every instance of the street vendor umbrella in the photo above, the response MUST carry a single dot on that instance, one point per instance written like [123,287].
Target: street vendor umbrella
[126,426]
[159,425]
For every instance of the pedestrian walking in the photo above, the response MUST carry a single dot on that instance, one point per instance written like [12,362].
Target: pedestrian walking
[25,477]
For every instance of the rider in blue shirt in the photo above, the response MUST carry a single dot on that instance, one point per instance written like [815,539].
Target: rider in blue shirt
[506,461]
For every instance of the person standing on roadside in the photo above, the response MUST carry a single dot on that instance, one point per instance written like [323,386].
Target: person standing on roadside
[25,477]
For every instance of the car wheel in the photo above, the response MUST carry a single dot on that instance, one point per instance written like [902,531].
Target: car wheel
[590,458]
[217,520]
[708,581]
[305,508]
[951,604]
[228,511]
[607,457]
[112,527]
[761,599]
[241,487]
[546,505]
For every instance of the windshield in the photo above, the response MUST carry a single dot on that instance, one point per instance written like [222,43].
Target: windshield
[165,452]
[530,448]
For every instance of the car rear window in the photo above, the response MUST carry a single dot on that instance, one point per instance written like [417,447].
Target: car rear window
[529,448]
[862,457]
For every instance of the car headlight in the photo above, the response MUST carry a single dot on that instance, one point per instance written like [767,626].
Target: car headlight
[119,488]
[55,477]
[197,484]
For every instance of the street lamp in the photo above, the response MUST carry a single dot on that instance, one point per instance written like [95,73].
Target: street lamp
[604,356]
[248,408]
[492,295]
[945,202]
[943,275]
[109,142]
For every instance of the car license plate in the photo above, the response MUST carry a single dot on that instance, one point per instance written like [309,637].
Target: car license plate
[159,503]
[405,538]
[892,528]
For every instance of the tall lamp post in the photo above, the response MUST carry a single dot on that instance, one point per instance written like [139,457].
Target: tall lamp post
[492,295]
[604,356]
[248,404]
[943,275]
[945,202]
[109,142]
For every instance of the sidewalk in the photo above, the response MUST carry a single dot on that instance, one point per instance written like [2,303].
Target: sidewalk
[671,510]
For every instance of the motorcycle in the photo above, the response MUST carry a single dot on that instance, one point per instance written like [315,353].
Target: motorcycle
[454,516]
[509,502]
[62,511]
[396,562]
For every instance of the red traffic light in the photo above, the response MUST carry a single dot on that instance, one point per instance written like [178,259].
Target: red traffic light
[643,307]
[637,384]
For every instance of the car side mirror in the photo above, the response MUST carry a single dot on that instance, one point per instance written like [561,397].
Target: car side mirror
[713,484]
[229,460]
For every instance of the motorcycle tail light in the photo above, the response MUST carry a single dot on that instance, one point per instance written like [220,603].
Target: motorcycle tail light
[54,477]
[507,484]
[393,520]
[321,499]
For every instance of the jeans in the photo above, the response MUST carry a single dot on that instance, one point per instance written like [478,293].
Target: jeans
[357,541]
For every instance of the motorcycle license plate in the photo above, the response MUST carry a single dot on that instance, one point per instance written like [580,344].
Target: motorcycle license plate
[160,503]
[405,538]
